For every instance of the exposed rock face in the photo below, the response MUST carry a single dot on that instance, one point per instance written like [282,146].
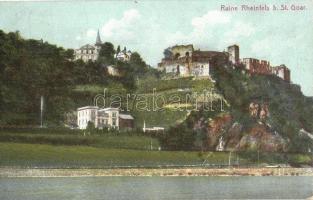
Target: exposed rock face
[216,128]
[234,135]
[199,124]
[223,133]
[254,109]
[260,137]
[258,110]
[264,113]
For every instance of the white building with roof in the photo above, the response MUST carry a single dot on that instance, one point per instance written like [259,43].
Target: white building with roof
[123,55]
[107,117]
[88,51]
[103,118]
[86,114]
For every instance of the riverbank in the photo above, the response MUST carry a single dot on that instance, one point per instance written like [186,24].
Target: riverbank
[17,172]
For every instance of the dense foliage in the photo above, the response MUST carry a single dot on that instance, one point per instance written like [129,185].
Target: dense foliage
[180,137]
[30,69]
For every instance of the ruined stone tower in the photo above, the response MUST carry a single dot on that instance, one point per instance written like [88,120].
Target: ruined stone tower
[233,52]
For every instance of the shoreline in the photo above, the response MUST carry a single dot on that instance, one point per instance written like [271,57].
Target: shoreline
[33,172]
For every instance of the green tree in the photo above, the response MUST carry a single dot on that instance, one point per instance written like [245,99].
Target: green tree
[178,138]
[90,127]
[138,66]
[29,69]
[106,54]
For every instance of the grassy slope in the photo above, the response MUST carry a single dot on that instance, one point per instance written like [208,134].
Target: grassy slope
[43,155]
[62,148]
[169,89]
[166,88]
[39,155]
[48,148]
[108,141]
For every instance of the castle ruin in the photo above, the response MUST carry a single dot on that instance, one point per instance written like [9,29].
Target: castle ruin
[184,60]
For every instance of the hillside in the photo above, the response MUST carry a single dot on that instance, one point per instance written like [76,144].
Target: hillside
[31,69]
[172,104]
[244,112]
[173,98]
[265,113]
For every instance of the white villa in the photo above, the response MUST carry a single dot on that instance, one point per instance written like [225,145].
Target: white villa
[107,117]
[102,118]
[123,55]
[85,115]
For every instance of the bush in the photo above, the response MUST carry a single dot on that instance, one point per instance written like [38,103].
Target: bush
[178,138]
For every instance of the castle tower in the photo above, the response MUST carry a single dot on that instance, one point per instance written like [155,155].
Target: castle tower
[98,40]
[233,52]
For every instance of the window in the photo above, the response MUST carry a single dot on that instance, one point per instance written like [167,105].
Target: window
[114,114]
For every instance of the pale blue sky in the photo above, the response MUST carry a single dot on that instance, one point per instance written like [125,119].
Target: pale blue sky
[150,26]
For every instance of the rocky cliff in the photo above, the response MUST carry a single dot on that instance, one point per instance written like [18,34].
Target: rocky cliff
[265,113]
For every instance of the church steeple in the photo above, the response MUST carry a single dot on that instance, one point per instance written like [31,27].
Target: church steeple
[98,40]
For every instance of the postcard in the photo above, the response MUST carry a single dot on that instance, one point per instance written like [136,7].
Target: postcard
[142,99]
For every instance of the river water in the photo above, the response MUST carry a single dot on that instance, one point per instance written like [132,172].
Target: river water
[158,188]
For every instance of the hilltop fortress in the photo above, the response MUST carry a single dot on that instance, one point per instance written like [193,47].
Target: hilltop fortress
[184,60]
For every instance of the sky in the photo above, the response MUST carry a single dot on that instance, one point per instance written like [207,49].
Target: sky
[148,27]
